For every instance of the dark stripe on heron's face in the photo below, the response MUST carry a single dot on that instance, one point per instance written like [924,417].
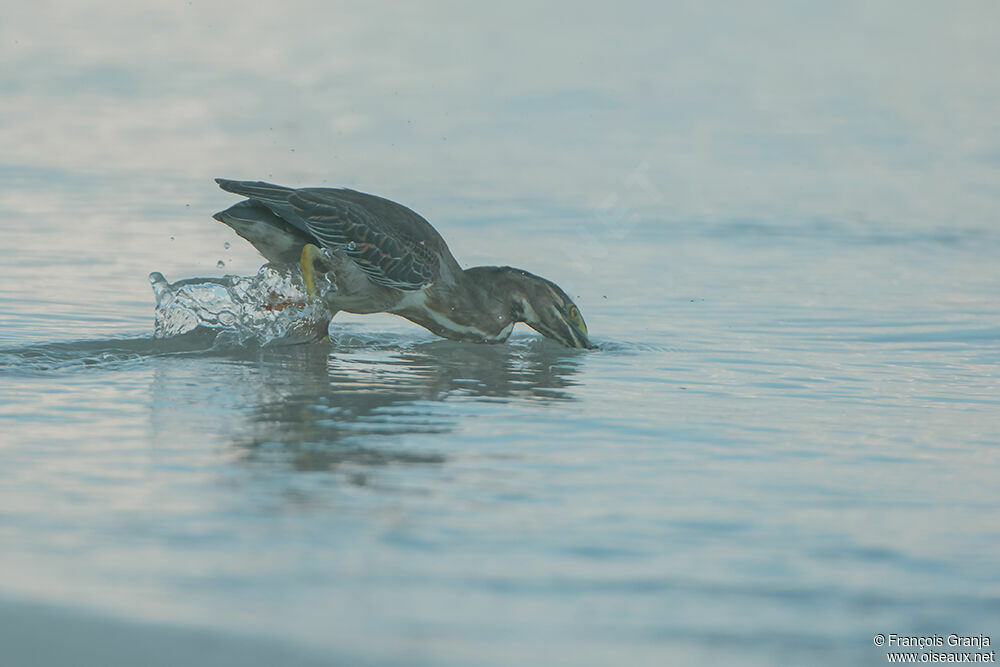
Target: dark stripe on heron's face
[569,335]
[566,333]
[572,336]
[578,338]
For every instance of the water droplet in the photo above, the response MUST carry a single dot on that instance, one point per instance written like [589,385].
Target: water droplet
[226,245]
[171,238]
[352,245]
[220,264]
[160,286]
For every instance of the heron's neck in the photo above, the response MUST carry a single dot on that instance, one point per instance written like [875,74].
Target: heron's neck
[482,305]
[499,289]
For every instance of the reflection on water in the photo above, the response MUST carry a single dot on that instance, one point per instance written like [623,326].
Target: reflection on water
[316,406]
[319,406]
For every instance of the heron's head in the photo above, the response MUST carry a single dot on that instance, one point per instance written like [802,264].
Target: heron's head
[544,307]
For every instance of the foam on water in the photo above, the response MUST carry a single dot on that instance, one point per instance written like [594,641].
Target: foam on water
[268,308]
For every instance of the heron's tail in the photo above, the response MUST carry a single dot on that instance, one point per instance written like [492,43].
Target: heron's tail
[276,239]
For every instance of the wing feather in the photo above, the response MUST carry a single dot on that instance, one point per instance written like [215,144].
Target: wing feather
[393,245]
[384,253]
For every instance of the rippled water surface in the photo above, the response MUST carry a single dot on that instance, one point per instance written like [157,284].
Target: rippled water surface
[780,225]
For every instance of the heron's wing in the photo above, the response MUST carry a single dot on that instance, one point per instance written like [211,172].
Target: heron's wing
[381,246]
[396,248]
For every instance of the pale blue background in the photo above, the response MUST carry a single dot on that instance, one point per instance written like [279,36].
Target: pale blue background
[779,219]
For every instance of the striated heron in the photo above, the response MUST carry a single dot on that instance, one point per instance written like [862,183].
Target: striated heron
[380,256]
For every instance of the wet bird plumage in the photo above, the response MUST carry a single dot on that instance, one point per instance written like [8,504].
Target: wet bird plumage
[384,257]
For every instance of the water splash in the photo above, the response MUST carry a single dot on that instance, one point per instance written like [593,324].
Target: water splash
[268,308]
